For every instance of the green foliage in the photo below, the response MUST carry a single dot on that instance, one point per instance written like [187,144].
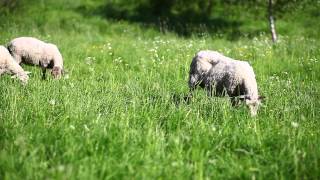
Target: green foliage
[205,8]
[229,18]
[7,6]
[120,113]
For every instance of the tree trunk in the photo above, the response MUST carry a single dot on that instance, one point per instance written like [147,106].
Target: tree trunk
[272,23]
[209,7]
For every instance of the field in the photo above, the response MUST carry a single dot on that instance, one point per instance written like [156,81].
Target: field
[119,113]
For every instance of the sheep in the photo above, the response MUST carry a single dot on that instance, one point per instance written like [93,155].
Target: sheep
[29,50]
[10,66]
[221,75]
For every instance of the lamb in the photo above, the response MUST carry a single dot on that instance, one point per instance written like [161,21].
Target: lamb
[10,66]
[221,75]
[29,50]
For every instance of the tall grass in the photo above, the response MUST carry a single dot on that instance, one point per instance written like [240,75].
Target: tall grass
[120,113]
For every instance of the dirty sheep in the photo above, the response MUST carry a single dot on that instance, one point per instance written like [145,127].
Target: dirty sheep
[221,75]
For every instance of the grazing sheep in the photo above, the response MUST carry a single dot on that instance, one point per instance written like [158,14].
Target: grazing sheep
[10,66]
[221,75]
[32,51]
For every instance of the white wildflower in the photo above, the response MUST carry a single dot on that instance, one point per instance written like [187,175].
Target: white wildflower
[89,60]
[61,168]
[86,128]
[66,76]
[294,124]
[52,102]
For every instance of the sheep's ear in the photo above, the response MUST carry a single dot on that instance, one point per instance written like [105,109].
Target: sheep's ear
[261,97]
[243,97]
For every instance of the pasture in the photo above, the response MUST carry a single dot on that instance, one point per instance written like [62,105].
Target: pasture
[119,113]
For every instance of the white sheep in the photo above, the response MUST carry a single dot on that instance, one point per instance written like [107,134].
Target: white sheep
[221,75]
[9,66]
[29,50]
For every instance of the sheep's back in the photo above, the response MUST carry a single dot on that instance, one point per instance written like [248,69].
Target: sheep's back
[30,49]
[4,55]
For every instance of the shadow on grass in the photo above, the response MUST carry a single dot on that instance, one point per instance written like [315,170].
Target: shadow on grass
[185,24]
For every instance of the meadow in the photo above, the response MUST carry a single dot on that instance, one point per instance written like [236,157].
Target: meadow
[119,112]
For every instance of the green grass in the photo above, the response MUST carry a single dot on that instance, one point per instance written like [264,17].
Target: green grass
[119,115]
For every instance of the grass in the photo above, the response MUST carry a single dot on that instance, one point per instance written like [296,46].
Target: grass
[119,115]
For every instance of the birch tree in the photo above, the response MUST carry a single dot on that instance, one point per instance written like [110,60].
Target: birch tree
[271,22]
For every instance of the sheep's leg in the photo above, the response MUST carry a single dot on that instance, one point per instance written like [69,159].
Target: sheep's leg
[236,95]
[193,80]
[209,92]
[188,97]
[191,89]
[235,101]
[209,89]
[44,70]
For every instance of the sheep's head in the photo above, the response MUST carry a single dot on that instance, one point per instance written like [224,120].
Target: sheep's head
[56,72]
[23,77]
[253,104]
